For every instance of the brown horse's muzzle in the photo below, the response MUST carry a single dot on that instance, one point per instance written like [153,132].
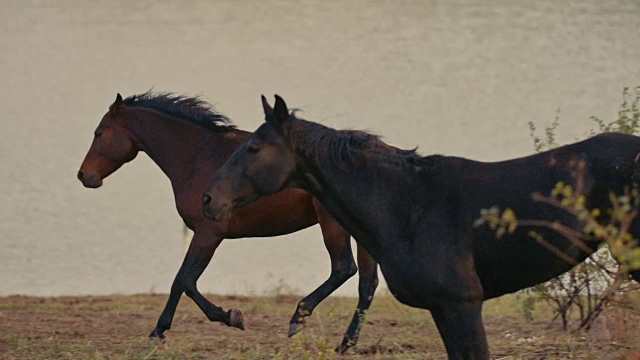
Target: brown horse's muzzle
[91,181]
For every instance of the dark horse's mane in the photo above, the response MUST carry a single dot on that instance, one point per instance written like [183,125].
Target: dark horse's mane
[192,109]
[337,146]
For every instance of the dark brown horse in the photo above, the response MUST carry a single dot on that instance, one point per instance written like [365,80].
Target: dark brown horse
[415,214]
[189,141]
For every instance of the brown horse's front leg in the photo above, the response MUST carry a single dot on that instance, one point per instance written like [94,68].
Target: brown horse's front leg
[199,254]
[164,322]
[195,261]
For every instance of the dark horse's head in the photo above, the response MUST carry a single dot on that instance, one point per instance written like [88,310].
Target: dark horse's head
[263,165]
[113,145]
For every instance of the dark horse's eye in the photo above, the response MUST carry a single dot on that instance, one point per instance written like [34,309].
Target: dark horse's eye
[253,148]
[97,134]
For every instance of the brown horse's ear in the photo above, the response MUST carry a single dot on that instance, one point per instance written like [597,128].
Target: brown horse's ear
[117,105]
[268,110]
[280,112]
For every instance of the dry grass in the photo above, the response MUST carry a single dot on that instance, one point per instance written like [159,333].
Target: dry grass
[108,327]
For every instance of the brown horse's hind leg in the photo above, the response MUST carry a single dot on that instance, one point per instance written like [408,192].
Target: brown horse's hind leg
[635,232]
[460,326]
[368,272]
[338,244]
[195,261]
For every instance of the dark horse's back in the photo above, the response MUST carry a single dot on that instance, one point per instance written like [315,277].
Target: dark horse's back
[516,260]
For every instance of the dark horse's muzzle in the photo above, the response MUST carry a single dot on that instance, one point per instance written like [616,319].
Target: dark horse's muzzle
[214,210]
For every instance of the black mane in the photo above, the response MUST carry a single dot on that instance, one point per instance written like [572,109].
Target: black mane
[192,109]
[337,146]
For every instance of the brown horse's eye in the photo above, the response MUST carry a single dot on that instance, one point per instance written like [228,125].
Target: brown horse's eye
[97,134]
[253,148]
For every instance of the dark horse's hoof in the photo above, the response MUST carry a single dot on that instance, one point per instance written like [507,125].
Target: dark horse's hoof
[295,328]
[342,348]
[157,335]
[235,319]
[347,343]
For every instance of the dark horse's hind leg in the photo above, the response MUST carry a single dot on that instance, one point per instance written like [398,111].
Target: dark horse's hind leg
[195,261]
[635,232]
[338,244]
[460,326]
[368,271]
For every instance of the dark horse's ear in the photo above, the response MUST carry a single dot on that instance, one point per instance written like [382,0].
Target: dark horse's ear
[280,112]
[268,110]
[117,105]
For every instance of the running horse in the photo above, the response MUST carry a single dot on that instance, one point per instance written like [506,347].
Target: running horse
[415,214]
[189,141]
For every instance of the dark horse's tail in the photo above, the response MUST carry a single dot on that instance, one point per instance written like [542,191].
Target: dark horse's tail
[636,169]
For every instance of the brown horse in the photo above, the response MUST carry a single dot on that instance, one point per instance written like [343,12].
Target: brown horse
[189,141]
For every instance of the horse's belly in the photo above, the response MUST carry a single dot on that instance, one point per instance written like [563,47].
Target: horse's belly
[405,286]
[283,213]
[519,263]
[426,284]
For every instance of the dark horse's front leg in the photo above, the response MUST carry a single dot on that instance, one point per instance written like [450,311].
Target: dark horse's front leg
[462,331]
[338,244]
[201,249]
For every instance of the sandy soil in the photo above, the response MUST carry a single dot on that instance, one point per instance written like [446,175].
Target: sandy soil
[117,326]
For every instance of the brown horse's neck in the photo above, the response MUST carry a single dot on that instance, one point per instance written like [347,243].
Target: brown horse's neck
[177,146]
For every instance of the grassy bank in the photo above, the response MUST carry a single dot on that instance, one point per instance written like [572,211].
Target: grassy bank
[97,327]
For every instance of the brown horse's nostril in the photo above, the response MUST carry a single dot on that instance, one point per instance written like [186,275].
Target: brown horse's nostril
[206,199]
[80,175]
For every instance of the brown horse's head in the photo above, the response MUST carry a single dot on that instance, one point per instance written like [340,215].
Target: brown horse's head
[263,165]
[113,145]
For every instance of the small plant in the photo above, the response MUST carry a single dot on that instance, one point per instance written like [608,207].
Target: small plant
[628,121]
[528,306]
[549,142]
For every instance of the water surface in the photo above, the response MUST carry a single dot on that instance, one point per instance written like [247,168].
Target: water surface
[454,77]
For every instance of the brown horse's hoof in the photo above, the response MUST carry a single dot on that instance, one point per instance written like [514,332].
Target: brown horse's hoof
[295,328]
[235,319]
[157,336]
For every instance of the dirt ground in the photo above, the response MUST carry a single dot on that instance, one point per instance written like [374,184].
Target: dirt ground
[106,327]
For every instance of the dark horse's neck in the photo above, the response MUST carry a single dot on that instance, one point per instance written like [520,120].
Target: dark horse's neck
[338,170]
[177,146]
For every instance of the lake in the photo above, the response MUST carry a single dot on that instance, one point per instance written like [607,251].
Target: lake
[452,77]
